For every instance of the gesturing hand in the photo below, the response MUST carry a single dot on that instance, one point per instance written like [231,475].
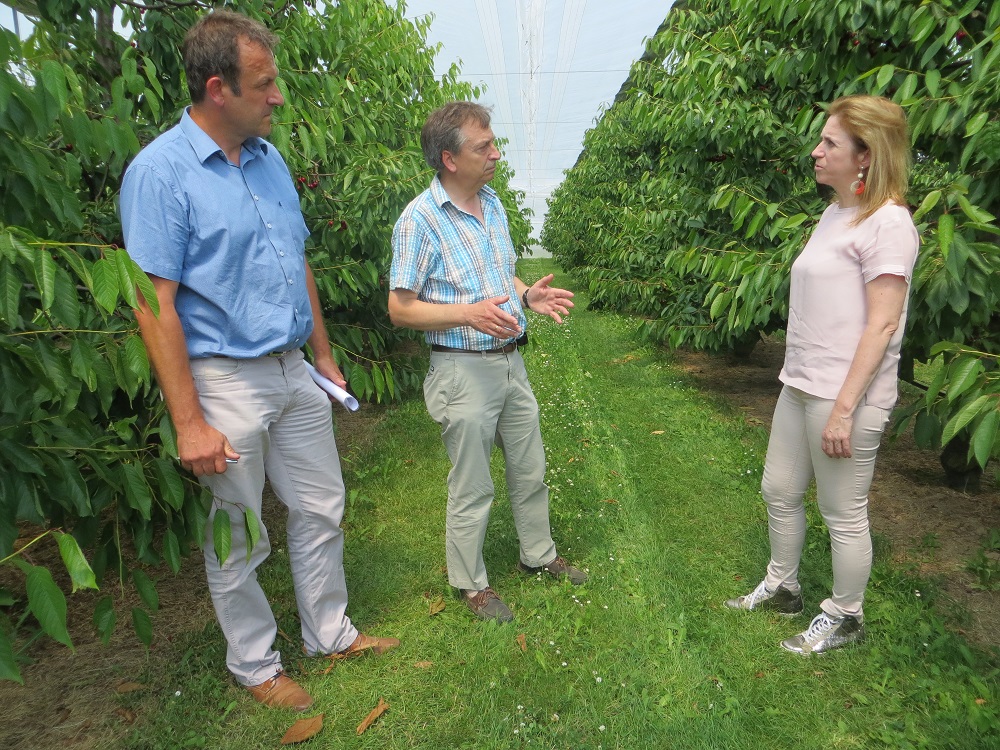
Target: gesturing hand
[549,300]
[489,318]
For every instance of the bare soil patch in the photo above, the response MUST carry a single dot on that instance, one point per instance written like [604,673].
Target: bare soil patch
[932,529]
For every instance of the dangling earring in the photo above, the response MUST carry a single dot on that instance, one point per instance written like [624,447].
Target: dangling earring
[858,186]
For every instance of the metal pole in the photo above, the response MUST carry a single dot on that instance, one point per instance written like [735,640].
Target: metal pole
[17,28]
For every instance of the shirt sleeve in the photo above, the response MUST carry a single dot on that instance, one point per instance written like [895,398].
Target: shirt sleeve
[892,248]
[413,253]
[154,222]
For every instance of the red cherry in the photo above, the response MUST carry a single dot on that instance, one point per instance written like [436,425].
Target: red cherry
[855,42]
[301,179]
[330,223]
[343,226]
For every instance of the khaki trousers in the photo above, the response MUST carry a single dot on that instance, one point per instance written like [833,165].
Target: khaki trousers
[794,457]
[481,400]
[281,424]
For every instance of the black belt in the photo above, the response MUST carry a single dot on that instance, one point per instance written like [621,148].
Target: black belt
[506,349]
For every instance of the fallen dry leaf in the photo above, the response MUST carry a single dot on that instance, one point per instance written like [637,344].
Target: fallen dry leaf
[380,709]
[127,716]
[657,432]
[424,664]
[437,605]
[522,641]
[128,687]
[610,500]
[302,730]
[980,701]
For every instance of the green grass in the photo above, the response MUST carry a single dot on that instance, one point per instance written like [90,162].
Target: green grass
[655,489]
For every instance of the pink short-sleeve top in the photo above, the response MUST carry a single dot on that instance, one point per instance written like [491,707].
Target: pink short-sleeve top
[828,306]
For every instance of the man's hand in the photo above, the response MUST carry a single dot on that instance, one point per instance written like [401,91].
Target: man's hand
[489,318]
[549,300]
[204,450]
[327,367]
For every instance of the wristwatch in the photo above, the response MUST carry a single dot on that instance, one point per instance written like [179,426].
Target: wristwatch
[524,300]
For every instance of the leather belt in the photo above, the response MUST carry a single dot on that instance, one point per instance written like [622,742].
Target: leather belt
[506,349]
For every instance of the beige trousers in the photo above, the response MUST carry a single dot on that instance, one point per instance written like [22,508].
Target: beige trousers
[281,424]
[481,400]
[794,458]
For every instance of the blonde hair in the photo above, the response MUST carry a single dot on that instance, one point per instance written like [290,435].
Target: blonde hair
[877,125]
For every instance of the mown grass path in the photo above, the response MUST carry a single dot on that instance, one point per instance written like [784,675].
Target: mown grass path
[655,489]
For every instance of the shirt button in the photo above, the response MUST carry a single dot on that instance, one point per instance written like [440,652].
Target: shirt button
[268,226]
[256,197]
[289,281]
[281,253]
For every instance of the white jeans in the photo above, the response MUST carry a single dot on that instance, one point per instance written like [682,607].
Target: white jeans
[479,400]
[282,426]
[794,457]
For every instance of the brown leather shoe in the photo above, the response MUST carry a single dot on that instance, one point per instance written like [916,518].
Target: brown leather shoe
[369,644]
[487,605]
[281,691]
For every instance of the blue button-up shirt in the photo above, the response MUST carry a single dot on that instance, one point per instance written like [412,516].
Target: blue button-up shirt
[448,256]
[232,236]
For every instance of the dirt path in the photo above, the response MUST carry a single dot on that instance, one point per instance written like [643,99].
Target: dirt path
[932,529]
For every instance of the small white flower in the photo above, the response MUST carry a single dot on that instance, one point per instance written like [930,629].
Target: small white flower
[601,728]
[598,679]
[564,664]
[177,694]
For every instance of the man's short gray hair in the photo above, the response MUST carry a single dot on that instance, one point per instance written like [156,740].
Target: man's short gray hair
[443,130]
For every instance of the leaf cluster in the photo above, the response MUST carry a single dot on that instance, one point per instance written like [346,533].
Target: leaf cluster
[694,192]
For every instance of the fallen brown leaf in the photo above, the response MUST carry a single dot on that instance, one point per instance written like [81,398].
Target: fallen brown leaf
[610,500]
[657,432]
[380,709]
[302,730]
[437,605]
[522,641]
[424,664]
[127,716]
[128,687]
[980,701]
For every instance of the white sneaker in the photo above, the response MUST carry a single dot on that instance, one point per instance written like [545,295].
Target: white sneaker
[781,600]
[826,633]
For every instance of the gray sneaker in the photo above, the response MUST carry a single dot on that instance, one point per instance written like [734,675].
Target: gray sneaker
[558,568]
[487,605]
[781,600]
[826,633]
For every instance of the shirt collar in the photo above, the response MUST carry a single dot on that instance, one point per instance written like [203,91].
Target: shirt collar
[440,195]
[203,145]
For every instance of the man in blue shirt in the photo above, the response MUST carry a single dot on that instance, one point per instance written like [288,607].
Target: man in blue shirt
[210,212]
[453,277]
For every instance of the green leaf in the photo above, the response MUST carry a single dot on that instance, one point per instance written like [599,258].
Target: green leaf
[965,415]
[48,604]
[932,80]
[8,664]
[136,490]
[146,589]
[170,485]
[126,277]
[252,526]
[884,76]
[105,619]
[105,288]
[45,277]
[984,437]
[962,375]
[946,233]
[222,535]
[930,200]
[79,569]
[974,125]
[143,625]
[172,551]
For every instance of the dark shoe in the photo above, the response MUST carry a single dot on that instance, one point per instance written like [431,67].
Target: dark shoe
[486,605]
[826,633]
[281,691]
[368,644]
[781,600]
[558,568]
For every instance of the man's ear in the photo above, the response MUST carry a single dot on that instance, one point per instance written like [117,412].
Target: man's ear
[214,89]
[448,159]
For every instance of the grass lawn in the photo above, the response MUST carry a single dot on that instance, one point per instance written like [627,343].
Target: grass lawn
[655,490]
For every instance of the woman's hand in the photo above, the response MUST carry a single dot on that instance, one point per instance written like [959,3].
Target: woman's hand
[837,436]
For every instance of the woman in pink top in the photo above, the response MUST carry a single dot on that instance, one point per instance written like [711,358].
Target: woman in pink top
[847,311]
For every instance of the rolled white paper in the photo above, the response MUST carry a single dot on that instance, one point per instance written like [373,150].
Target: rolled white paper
[349,402]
